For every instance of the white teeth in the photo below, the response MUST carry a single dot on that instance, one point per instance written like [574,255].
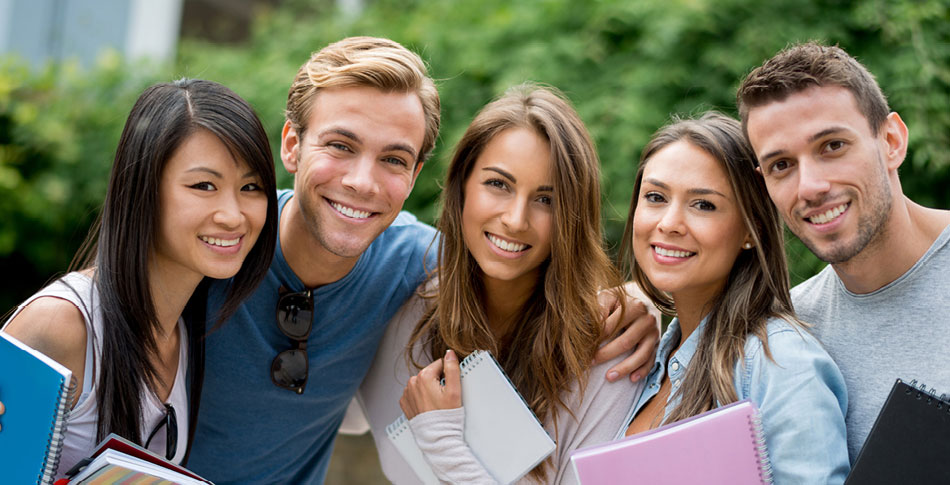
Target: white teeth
[348,212]
[507,246]
[672,253]
[828,215]
[220,242]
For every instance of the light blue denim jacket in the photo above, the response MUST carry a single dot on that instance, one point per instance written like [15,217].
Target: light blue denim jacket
[801,396]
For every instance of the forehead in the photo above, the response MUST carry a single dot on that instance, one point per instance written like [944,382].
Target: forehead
[378,116]
[684,166]
[521,151]
[802,115]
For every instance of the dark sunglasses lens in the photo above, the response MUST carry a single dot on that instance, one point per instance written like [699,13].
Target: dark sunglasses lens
[171,443]
[294,315]
[289,369]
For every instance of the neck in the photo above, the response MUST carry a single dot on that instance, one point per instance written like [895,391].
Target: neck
[171,291]
[909,232]
[690,310]
[306,256]
[504,300]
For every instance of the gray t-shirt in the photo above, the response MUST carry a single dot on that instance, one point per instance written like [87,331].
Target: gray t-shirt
[899,331]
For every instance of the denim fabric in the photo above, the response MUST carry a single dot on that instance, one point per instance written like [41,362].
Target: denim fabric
[800,393]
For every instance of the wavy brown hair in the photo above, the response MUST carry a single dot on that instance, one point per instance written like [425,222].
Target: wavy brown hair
[553,342]
[757,287]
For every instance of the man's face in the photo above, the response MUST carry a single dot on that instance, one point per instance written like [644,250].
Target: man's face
[355,164]
[827,173]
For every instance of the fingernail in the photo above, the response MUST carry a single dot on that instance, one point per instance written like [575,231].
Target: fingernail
[635,378]
[612,375]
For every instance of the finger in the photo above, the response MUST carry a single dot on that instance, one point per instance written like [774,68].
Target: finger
[638,364]
[642,327]
[452,392]
[621,318]
[432,374]
[607,301]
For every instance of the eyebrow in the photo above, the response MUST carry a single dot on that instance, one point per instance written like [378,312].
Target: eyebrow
[695,191]
[509,176]
[206,170]
[821,134]
[353,136]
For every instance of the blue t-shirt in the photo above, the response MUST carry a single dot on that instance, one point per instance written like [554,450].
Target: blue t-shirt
[251,431]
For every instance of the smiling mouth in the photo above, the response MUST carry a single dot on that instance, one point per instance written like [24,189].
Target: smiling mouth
[224,243]
[349,211]
[672,253]
[509,246]
[829,215]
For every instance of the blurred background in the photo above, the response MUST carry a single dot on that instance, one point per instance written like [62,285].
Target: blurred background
[71,69]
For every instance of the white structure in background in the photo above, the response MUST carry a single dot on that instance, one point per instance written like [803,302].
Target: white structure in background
[55,30]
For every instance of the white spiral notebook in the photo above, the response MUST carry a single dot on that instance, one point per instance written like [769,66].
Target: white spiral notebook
[500,428]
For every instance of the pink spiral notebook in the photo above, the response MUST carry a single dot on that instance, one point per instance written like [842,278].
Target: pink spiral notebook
[719,447]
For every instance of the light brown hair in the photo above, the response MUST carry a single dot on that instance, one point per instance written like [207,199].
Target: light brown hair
[757,288]
[802,66]
[553,344]
[365,61]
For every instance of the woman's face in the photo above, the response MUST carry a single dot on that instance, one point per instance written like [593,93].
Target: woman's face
[507,212]
[687,229]
[211,210]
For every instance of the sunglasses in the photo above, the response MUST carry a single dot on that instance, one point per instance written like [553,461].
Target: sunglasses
[170,423]
[295,319]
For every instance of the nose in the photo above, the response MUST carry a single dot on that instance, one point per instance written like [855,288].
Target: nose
[229,213]
[360,176]
[671,221]
[515,216]
[812,183]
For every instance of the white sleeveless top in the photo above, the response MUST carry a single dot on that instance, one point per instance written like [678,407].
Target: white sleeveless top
[81,426]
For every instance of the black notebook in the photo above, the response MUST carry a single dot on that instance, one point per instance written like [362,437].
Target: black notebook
[910,440]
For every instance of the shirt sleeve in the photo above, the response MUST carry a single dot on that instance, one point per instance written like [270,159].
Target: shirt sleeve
[439,435]
[802,397]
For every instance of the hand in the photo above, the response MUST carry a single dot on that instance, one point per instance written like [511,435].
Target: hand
[641,333]
[425,391]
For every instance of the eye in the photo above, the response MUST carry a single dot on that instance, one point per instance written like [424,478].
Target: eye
[253,186]
[338,146]
[778,166]
[496,183]
[654,197]
[206,186]
[545,199]
[704,205]
[833,146]
[396,161]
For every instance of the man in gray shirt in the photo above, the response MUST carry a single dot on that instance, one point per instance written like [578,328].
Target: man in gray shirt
[829,149]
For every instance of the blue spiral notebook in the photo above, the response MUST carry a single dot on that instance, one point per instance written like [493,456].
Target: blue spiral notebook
[36,392]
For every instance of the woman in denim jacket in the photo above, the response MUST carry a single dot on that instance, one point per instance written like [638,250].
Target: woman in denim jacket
[705,243]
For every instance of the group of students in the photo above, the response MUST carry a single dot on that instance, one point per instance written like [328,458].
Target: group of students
[203,282]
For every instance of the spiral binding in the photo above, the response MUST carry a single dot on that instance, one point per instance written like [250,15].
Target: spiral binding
[398,427]
[57,433]
[471,361]
[931,395]
[761,451]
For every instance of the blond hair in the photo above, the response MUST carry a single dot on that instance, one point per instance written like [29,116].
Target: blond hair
[365,61]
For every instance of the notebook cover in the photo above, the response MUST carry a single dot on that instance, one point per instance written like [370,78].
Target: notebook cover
[721,446]
[909,442]
[500,428]
[35,391]
[122,445]
[113,466]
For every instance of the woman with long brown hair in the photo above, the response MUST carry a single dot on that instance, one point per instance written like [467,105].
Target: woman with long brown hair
[520,267]
[705,243]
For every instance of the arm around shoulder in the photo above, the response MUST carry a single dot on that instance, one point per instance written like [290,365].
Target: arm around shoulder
[803,400]
[56,328]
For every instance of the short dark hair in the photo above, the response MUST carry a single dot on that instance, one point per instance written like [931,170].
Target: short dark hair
[802,66]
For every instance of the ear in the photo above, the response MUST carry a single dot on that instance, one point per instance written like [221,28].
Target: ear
[289,147]
[758,169]
[893,134]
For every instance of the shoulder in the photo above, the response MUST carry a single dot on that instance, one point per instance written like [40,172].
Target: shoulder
[814,286]
[53,326]
[786,340]
[408,226]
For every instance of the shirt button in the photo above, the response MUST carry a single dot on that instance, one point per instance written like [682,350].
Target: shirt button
[676,383]
[675,366]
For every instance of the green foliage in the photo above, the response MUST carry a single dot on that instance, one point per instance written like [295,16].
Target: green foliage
[626,65]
